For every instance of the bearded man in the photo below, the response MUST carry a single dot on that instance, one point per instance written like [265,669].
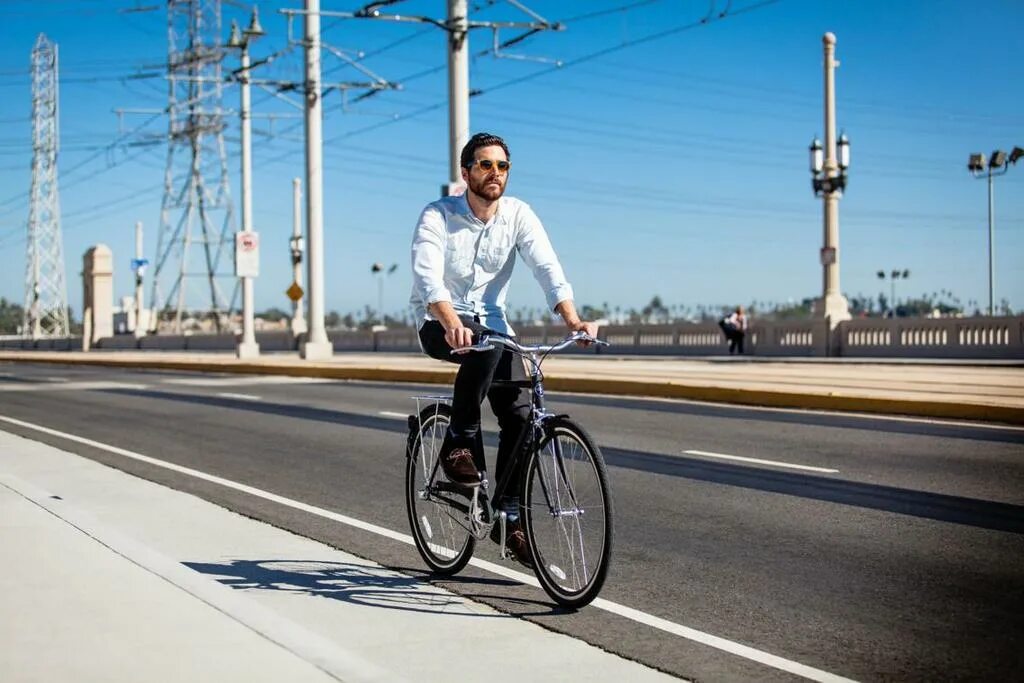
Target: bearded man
[463,252]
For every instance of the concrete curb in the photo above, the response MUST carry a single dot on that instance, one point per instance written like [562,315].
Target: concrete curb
[666,389]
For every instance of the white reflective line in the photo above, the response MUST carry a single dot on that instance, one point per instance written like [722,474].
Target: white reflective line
[665,625]
[759,461]
[397,416]
[242,380]
[243,397]
[69,386]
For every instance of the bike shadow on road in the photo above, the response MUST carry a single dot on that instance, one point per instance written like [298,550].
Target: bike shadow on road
[348,582]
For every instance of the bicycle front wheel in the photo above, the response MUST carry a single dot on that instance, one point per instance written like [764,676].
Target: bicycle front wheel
[567,509]
[437,515]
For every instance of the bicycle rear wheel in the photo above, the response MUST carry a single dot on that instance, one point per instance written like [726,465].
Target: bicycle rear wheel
[567,509]
[437,514]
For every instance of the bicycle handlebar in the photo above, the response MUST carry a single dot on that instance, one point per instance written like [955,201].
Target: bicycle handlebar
[487,342]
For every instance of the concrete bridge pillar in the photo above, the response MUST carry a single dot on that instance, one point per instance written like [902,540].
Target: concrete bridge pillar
[98,295]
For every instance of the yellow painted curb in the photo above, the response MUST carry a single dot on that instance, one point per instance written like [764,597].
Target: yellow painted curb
[668,389]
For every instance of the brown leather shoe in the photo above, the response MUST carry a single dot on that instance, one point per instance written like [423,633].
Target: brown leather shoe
[458,466]
[516,543]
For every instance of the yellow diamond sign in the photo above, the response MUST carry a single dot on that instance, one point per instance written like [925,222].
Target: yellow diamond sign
[294,292]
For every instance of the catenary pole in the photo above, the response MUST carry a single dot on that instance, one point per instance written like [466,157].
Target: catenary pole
[317,346]
[458,87]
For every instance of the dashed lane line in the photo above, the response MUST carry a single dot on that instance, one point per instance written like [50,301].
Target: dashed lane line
[760,461]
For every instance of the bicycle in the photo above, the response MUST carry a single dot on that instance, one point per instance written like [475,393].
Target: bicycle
[565,502]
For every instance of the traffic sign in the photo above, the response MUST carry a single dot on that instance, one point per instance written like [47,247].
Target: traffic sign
[294,292]
[247,254]
[139,263]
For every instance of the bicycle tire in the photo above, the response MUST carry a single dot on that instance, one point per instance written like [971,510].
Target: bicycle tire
[443,543]
[568,512]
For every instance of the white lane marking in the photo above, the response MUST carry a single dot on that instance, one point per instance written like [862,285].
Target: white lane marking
[716,642]
[242,397]
[759,461]
[397,416]
[70,386]
[243,380]
[57,379]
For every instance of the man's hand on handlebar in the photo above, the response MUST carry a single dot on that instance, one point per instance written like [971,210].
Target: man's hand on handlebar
[458,337]
[587,327]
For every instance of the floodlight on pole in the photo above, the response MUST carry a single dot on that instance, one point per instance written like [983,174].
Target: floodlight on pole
[379,270]
[998,164]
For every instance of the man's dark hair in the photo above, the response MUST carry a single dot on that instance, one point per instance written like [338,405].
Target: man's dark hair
[476,142]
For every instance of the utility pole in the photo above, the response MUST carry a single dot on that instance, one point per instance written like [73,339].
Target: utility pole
[298,321]
[46,295]
[458,92]
[458,25]
[317,345]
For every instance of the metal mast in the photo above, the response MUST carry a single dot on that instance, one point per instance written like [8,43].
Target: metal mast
[196,216]
[46,294]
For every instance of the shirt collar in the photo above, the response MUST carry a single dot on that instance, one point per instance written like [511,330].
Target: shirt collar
[463,209]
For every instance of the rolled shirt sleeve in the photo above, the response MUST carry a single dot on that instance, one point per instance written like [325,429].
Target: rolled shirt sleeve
[428,247]
[535,248]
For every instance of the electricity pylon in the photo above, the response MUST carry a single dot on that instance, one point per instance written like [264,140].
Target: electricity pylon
[196,214]
[46,293]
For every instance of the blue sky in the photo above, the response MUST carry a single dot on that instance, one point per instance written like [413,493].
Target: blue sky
[674,166]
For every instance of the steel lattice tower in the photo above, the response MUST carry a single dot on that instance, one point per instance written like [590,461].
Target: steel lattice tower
[196,213]
[46,293]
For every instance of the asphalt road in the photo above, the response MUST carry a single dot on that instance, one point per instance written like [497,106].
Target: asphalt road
[870,548]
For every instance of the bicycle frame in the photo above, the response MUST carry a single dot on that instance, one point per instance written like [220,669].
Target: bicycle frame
[482,517]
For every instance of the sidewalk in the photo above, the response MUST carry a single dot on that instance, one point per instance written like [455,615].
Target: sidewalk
[108,577]
[941,389]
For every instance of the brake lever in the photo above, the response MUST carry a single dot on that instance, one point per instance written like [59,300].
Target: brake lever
[468,349]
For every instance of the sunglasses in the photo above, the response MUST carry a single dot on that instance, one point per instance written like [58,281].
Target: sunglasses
[490,164]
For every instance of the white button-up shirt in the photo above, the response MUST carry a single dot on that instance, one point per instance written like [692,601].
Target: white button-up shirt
[458,258]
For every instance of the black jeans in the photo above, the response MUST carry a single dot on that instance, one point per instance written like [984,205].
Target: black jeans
[734,336]
[477,371]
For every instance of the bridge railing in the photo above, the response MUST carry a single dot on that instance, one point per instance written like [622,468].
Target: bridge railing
[979,337]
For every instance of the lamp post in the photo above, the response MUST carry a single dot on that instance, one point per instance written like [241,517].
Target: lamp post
[998,164]
[247,242]
[828,180]
[378,270]
[894,275]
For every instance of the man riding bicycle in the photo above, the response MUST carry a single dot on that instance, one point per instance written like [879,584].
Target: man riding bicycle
[463,253]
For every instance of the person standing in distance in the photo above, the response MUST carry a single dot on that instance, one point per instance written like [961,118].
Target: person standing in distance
[463,252]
